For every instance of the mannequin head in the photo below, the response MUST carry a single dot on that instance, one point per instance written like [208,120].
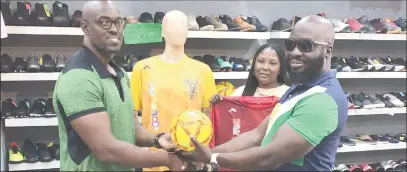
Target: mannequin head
[175,28]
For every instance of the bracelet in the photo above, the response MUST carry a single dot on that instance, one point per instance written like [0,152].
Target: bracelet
[155,140]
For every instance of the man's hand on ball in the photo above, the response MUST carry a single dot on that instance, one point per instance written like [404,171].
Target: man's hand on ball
[200,154]
[175,163]
[167,144]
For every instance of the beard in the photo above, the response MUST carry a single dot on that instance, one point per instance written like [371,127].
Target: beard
[312,68]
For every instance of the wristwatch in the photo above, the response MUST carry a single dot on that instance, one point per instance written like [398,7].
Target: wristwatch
[213,158]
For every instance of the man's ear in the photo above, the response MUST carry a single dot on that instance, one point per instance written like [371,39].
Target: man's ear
[84,27]
[329,50]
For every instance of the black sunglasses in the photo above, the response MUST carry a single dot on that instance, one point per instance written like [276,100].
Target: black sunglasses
[304,45]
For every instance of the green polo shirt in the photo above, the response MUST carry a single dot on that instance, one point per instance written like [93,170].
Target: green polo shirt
[84,87]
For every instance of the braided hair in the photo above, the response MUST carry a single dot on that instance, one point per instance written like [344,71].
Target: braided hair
[252,83]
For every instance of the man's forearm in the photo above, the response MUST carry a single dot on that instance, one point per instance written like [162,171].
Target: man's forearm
[244,141]
[144,138]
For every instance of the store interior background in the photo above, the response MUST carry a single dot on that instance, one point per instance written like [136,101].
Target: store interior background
[267,12]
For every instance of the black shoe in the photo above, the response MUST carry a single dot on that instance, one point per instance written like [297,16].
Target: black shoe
[335,64]
[345,67]
[364,21]
[37,109]
[121,62]
[204,24]
[30,152]
[376,103]
[19,65]
[370,68]
[6,63]
[43,153]
[23,109]
[211,61]
[20,17]
[48,64]
[61,14]
[247,65]
[6,12]
[391,61]
[399,61]
[256,22]
[49,108]
[198,58]
[132,59]
[400,22]
[8,108]
[41,16]
[158,17]
[76,18]
[281,25]
[364,99]
[385,100]
[237,64]
[33,63]
[354,99]
[54,150]
[61,62]
[146,18]
[229,22]
[356,65]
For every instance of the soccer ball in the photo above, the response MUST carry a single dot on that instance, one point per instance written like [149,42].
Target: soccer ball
[190,122]
[225,88]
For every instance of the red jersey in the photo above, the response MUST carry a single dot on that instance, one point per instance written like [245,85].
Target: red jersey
[236,115]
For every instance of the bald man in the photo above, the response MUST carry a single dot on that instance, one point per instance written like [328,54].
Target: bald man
[302,133]
[92,99]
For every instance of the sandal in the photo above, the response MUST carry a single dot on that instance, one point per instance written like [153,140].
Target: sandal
[365,138]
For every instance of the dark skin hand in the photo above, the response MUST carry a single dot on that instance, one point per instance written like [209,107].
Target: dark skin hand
[216,99]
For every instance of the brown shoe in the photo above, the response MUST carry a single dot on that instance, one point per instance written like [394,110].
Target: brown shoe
[246,27]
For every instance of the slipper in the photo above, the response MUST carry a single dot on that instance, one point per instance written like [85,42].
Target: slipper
[347,141]
[365,138]
[366,168]
[391,138]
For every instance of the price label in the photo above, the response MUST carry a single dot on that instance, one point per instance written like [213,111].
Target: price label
[143,33]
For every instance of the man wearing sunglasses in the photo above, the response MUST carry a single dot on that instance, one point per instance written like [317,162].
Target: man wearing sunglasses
[302,133]
[97,126]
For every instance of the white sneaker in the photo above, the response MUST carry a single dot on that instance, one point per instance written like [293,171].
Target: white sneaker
[192,24]
[338,24]
[396,102]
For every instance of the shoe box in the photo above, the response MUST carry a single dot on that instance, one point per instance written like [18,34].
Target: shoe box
[26,109]
[375,100]
[31,152]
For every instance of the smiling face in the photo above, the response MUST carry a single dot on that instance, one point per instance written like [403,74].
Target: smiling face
[267,67]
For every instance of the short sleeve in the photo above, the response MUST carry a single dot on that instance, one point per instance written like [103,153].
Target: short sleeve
[209,86]
[135,86]
[315,117]
[79,93]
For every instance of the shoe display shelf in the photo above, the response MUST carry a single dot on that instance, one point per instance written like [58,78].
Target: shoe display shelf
[34,166]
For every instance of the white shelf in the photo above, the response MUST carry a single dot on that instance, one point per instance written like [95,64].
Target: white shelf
[75,31]
[360,147]
[377,111]
[31,122]
[34,166]
[217,75]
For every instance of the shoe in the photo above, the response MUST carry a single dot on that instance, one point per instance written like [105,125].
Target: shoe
[354,168]
[340,26]
[281,25]
[401,96]
[146,18]
[341,168]
[76,19]
[47,63]
[30,151]
[6,63]
[354,100]
[377,66]
[399,61]
[236,64]
[396,166]
[391,27]
[19,64]
[132,60]
[260,27]
[23,109]
[8,108]
[61,14]
[192,23]
[386,101]
[364,99]
[247,65]
[366,168]
[6,12]
[347,141]
[364,21]
[395,101]
[49,108]
[15,154]
[225,66]
[246,27]
[295,20]
[198,58]
[355,65]
[389,61]
[218,26]
[378,25]
[41,15]
[33,63]
[158,17]
[37,109]
[53,148]
[350,104]
[400,22]
[335,65]
[121,61]
[370,68]
[20,17]
[341,61]
[355,26]
[229,23]
[376,103]
[43,153]
[204,24]
[61,62]
[211,61]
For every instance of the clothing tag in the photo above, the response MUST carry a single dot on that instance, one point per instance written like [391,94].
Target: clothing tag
[47,10]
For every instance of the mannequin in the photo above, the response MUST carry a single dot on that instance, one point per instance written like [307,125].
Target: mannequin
[175,32]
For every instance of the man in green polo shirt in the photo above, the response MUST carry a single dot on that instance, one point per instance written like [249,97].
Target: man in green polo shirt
[97,126]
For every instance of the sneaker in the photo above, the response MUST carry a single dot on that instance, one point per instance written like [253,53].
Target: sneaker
[37,109]
[395,101]
[8,108]
[6,12]
[211,61]
[354,100]
[385,100]
[281,25]
[19,65]
[218,26]
[356,66]
[6,63]
[355,26]
[373,64]
[399,61]
[76,18]
[246,27]
[15,154]
[364,99]
[33,63]
[366,168]
[354,168]
[295,20]
[340,26]
[122,62]
[247,65]
[364,21]
[49,108]
[375,101]
[23,109]
[260,27]
[192,23]
[335,64]
[61,14]
[388,64]
[345,67]
[225,66]
[342,168]
[47,63]
[391,27]
[400,22]
[43,153]
[229,23]
[30,151]
[20,17]
[236,64]
[378,25]
[204,24]
[41,15]
[401,96]
[389,61]
[146,18]
[53,148]
[61,62]
[158,17]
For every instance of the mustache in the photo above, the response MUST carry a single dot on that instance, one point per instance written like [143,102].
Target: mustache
[289,58]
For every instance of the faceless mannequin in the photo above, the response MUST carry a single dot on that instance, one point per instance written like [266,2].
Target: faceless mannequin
[175,32]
